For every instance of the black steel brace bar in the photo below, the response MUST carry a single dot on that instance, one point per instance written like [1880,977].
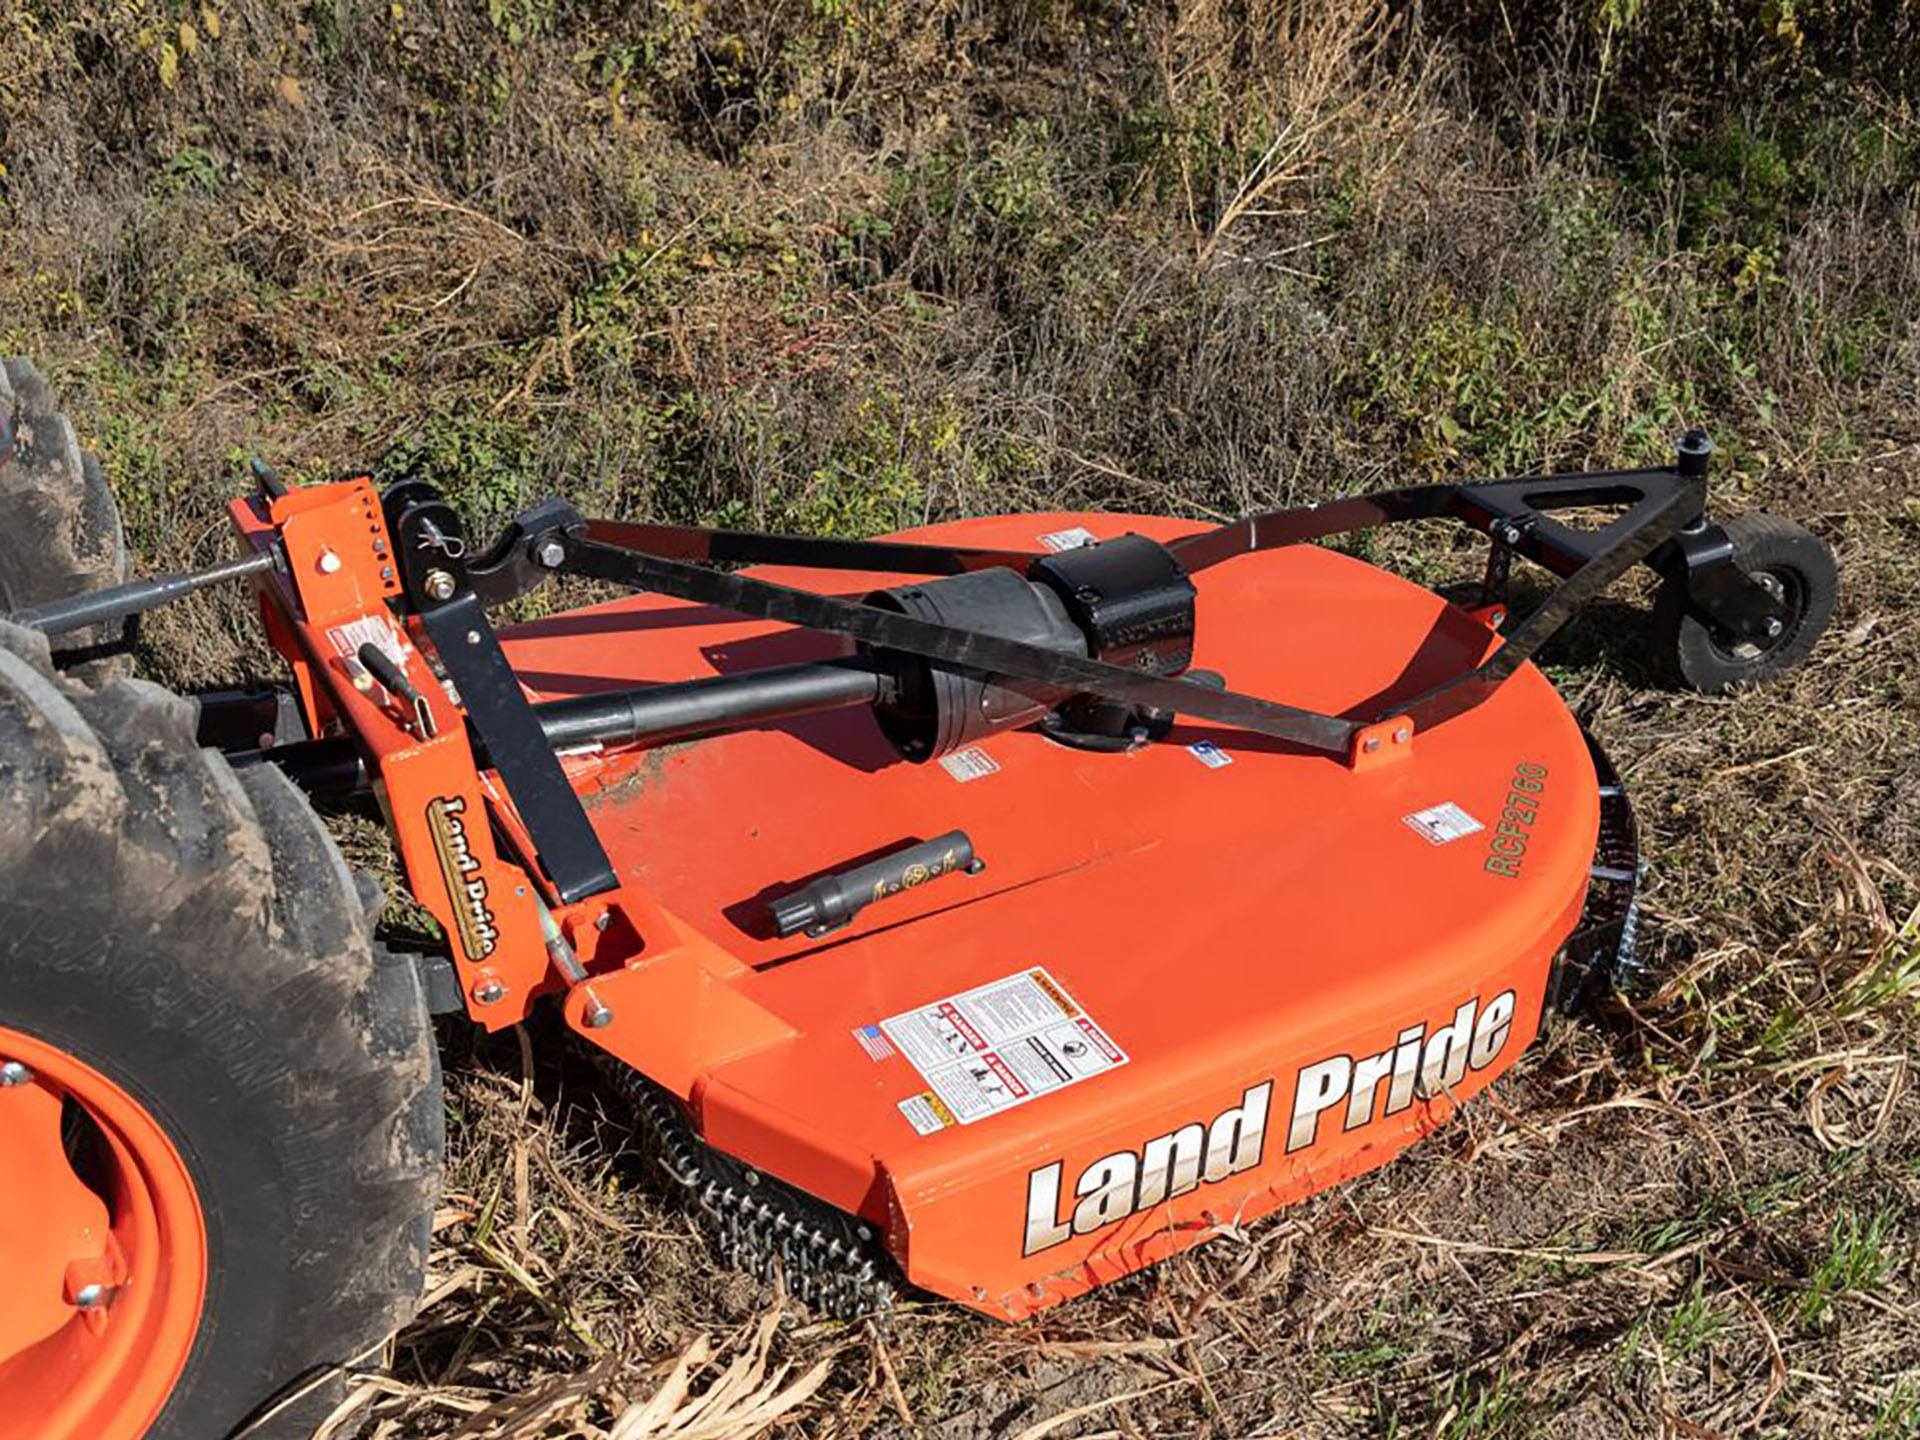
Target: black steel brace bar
[1656,504]
[968,649]
[748,547]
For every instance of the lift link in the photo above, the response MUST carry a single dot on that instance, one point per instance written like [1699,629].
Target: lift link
[429,545]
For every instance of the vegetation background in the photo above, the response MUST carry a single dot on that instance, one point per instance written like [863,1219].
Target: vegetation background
[844,265]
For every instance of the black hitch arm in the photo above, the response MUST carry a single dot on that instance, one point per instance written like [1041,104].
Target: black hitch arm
[116,602]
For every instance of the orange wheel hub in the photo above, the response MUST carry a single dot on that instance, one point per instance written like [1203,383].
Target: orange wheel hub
[103,1251]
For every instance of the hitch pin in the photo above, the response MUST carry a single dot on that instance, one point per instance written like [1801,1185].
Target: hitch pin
[595,1012]
[432,537]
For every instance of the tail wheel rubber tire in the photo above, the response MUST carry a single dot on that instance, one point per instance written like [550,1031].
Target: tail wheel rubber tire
[245,1093]
[1792,563]
[62,533]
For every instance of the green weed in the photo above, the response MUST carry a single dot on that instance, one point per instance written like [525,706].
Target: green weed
[1858,1258]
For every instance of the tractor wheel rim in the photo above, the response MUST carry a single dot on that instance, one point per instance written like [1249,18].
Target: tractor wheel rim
[104,1244]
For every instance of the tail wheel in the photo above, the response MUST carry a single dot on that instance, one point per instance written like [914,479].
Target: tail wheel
[1794,565]
[220,1126]
[61,534]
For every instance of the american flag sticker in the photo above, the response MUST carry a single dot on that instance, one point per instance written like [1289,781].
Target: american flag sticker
[877,1046]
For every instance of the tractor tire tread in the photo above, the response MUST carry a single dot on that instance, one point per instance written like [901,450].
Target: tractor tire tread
[62,533]
[216,962]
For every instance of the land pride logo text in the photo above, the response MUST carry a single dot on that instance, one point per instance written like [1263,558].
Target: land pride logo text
[1207,1151]
[466,886]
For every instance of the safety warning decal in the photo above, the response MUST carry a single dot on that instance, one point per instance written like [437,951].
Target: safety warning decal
[927,1112]
[1073,539]
[972,763]
[1443,822]
[995,1047]
[375,630]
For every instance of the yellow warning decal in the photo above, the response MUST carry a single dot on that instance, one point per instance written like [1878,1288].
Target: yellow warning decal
[1054,992]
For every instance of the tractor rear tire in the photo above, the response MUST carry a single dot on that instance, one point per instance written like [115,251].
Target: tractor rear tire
[184,957]
[60,530]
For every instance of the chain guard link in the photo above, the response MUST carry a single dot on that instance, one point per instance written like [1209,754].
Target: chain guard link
[831,1261]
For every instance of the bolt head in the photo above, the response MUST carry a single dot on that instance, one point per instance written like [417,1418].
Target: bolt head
[329,563]
[1370,744]
[1402,735]
[598,1016]
[603,920]
[1774,627]
[489,992]
[90,1297]
[550,554]
[439,585]
[13,1073]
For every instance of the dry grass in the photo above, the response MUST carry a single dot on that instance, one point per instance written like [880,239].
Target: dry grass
[842,266]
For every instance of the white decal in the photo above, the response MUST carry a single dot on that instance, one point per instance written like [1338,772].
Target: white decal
[1209,754]
[926,1113]
[1068,539]
[972,763]
[1002,1045]
[1442,823]
[377,631]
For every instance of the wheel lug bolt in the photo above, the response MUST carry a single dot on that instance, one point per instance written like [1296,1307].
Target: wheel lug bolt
[13,1073]
[1774,627]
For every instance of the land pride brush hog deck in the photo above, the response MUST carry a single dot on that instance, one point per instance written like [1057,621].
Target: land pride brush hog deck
[984,912]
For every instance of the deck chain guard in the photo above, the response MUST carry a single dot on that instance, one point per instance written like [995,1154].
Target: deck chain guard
[827,1259]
